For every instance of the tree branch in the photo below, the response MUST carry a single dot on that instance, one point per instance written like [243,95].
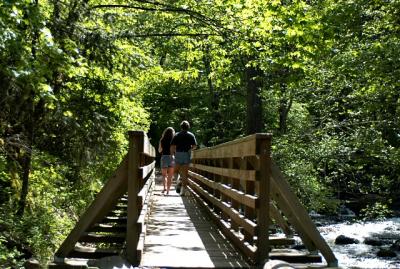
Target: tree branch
[167,35]
[159,7]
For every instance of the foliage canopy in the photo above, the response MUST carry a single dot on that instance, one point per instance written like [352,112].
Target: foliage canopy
[75,76]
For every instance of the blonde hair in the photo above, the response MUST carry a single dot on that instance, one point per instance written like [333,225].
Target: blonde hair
[168,133]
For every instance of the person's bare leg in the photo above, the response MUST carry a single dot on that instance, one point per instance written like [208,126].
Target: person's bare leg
[177,172]
[164,178]
[169,178]
[184,174]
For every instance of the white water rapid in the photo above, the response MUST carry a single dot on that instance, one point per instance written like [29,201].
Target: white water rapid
[361,255]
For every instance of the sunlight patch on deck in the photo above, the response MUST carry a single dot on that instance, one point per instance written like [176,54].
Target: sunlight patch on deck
[180,234]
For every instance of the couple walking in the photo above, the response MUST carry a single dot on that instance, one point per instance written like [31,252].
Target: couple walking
[175,155]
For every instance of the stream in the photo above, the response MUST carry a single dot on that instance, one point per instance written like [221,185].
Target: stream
[361,255]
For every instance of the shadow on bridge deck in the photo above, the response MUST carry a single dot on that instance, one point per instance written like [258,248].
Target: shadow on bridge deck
[181,235]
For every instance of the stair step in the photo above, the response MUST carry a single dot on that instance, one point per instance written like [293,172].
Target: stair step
[108,228]
[122,207]
[102,238]
[92,253]
[120,220]
[281,241]
[68,264]
[294,256]
[117,214]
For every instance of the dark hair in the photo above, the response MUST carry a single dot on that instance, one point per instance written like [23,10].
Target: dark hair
[168,134]
[185,125]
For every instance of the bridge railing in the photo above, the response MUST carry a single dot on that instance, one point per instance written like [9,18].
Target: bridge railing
[141,176]
[135,177]
[244,191]
[233,181]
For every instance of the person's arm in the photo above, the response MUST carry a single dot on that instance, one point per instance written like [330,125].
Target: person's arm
[172,147]
[194,145]
[159,147]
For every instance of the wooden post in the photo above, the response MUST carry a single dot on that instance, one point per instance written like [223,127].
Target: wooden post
[263,218]
[136,139]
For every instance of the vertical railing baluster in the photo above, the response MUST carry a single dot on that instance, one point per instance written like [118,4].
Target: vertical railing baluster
[136,139]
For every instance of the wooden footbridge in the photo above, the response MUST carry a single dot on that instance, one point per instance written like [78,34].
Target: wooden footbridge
[239,213]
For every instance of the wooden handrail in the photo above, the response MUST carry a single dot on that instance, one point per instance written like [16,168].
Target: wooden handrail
[244,190]
[105,200]
[139,169]
[246,146]
[135,176]
[233,180]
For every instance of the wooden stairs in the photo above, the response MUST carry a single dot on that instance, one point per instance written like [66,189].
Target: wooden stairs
[282,242]
[102,239]
[115,222]
[105,238]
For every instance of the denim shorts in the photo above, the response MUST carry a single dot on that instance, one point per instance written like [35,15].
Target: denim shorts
[167,161]
[182,157]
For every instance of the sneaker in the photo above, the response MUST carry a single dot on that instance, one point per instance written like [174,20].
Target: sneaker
[178,187]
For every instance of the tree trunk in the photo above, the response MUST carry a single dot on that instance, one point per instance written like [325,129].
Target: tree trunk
[26,168]
[214,103]
[254,84]
[28,131]
[284,108]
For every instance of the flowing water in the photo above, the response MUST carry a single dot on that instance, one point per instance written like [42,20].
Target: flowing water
[362,256]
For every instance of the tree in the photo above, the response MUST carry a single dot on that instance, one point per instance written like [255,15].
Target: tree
[353,98]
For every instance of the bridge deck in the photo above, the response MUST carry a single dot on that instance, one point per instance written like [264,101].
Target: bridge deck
[180,234]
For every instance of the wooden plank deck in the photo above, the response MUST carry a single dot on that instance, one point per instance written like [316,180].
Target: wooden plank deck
[181,235]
